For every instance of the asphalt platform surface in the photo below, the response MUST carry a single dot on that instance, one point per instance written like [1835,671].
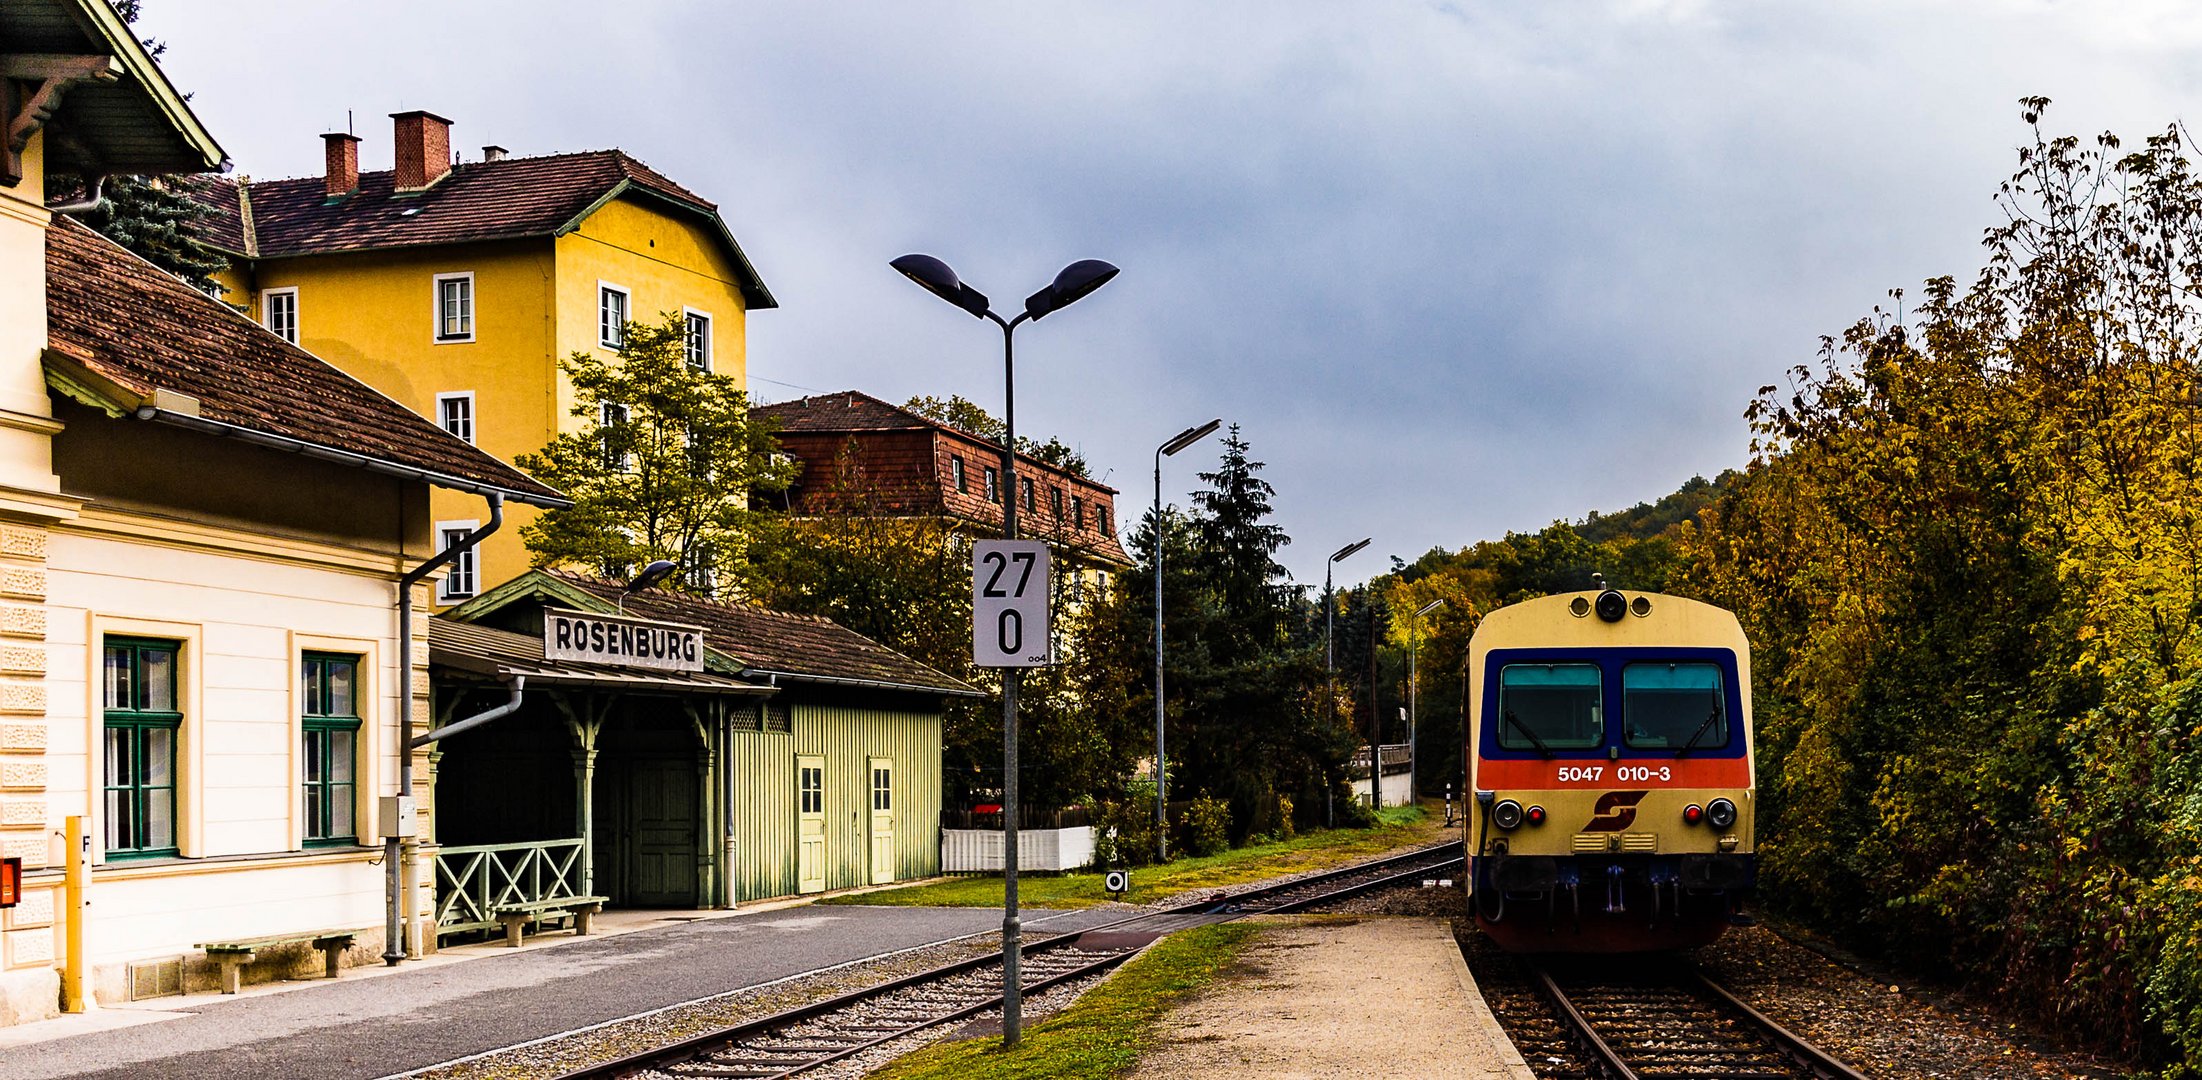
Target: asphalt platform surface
[363,1028]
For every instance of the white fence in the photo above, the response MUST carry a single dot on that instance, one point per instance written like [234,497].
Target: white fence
[978,851]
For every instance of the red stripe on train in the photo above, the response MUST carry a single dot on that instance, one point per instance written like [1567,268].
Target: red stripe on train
[1536,773]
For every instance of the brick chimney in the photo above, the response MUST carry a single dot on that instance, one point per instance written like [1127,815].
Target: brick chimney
[341,177]
[493,152]
[424,149]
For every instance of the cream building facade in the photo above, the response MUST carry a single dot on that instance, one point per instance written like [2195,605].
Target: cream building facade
[202,532]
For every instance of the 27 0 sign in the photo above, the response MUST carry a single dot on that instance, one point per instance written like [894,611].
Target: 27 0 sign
[1009,591]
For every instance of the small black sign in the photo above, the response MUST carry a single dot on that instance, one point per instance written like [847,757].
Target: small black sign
[1117,882]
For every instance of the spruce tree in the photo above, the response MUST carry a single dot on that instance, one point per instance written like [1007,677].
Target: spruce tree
[156,217]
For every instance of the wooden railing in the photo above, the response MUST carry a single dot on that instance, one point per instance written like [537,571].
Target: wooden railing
[473,882]
[1396,757]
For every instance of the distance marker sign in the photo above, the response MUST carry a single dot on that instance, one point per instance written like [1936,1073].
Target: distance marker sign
[1009,590]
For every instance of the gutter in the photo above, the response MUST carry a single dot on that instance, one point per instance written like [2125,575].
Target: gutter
[396,866]
[868,684]
[518,685]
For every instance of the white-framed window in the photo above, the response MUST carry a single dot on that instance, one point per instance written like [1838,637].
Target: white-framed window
[279,313]
[610,418]
[611,315]
[956,475]
[698,339]
[459,575]
[454,307]
[455,411]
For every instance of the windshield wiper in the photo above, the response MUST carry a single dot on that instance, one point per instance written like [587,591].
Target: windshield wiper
[1700,733]
[1524,729]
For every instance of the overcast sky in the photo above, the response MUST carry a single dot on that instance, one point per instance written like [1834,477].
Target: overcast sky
[1457,268]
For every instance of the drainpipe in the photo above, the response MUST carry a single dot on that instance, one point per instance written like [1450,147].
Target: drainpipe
[511,705]
[397,863]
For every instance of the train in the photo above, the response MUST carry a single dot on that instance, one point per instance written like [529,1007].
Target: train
[1609,750]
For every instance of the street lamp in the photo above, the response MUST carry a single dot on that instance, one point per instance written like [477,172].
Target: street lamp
[1069,286]
[650,575]
[1330,677]
[1414,651]
[1178,442]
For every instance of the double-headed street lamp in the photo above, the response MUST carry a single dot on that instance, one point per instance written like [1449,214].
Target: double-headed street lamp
[1177,442]
[1330,677]
[1414,652]
[1069,286]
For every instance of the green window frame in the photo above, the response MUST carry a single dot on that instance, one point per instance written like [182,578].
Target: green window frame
[143,724]
[328,694]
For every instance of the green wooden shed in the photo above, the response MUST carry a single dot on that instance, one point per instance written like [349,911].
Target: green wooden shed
[803,757]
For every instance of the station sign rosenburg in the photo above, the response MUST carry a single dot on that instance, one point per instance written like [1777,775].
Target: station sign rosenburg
[619,641]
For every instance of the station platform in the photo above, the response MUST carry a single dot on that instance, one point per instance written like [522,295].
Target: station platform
[1340,995]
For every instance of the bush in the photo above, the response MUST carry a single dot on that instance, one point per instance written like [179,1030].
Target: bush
[1124,831]
[1284,817]
[1208,826]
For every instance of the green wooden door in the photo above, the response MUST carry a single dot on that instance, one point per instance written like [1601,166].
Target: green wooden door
[810,819]
[883,820]
[661,826]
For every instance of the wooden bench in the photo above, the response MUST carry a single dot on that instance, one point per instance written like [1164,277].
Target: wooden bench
[515,917]
[233,955]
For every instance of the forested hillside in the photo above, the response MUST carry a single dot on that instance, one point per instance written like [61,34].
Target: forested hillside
[1968,553]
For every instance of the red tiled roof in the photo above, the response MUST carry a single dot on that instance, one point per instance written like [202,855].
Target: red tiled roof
[775,642]
[123,322]
[478,200]
[902,473]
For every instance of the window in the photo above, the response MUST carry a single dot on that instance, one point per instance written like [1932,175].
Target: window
[1077,512]
[328,692]
[813,788]
[1550,707]
[455,307]
[458,578]
[1055,501]
[698,340]
[1673,705]
[1101,514]
[883,784]
[455,411]
[993,484]
[1024,490]
[611,428]
[279,313]
[956,476]
[139,770]
[611,315]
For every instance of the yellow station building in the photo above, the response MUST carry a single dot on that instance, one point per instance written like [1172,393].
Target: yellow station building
[457,288]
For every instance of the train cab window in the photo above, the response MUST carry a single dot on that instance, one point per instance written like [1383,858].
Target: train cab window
[1547,707]
[1672,706]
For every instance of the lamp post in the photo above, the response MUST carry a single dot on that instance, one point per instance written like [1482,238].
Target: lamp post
[1178,442]
[1414,653]
[650,576]
[1330,676]
[1069,286]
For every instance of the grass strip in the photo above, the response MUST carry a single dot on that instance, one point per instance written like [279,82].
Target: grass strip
[1396,827]
[1101,1035]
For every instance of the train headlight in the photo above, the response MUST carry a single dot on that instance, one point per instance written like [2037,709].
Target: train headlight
[1507,814]
[1692,814]
[1536,815]
[1721,813]
[1612,605]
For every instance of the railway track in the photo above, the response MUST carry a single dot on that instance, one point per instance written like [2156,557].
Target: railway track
[1638,1023]
[823,1032]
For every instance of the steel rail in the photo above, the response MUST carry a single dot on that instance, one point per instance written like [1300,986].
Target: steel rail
[1811,1057]
[1585,1034]
[700,1045]
[1579,1025]
[1370,886]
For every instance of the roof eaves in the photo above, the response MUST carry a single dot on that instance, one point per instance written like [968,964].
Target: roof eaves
[959,690]
[755,297]
[102,20]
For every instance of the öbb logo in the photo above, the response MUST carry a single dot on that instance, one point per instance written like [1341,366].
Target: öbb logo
[1615,811]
